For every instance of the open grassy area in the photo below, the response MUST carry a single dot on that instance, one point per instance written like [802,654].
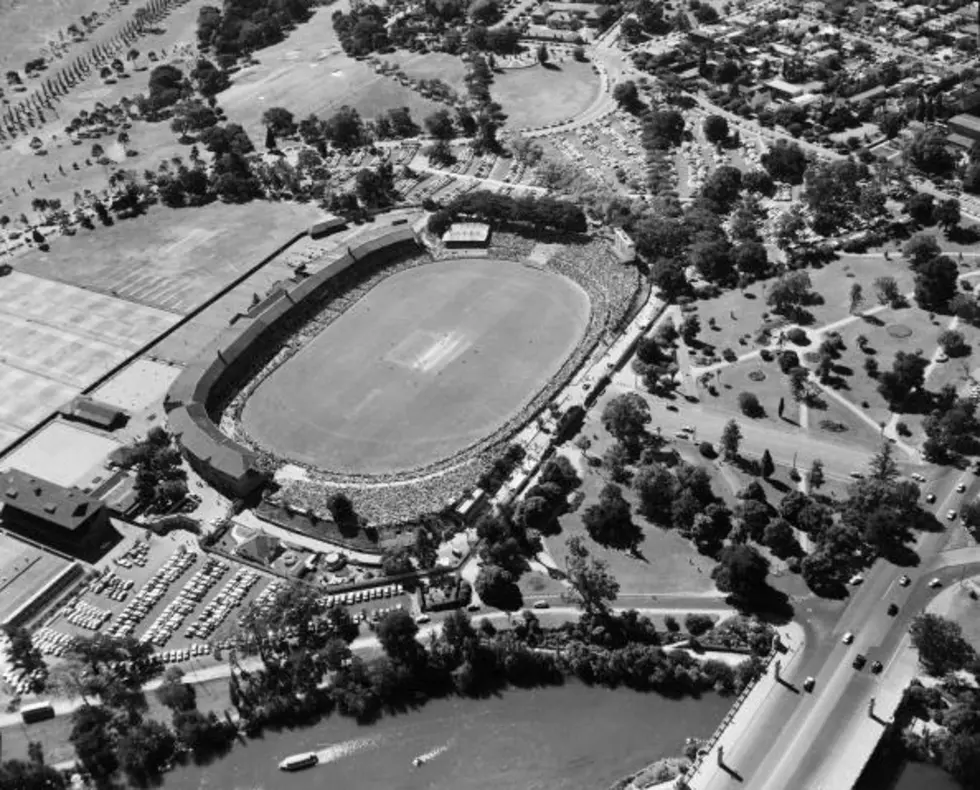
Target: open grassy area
[432,360]
[539,95]
[171,259]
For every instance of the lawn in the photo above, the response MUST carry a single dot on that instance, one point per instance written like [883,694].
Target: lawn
[669,564]
[171,259]
[739,313]
[310,73]
[539,96]
[431,361]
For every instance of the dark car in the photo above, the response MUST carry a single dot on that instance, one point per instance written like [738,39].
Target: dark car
[859,661]
[892,609]
[876,667]
[808,684]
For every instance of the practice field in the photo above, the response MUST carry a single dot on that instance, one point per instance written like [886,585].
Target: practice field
[55,339]
[171,259]
[539,96]
[428,363]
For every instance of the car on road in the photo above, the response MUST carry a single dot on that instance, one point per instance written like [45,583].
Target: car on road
[541,605]
[808,684]
[904,580]
[857,578]
[859,661]
[893,609]
[688,428]
[951,515]
[960,488]
[935,583]
[876,667]
[857,475]
[848,638]
[930,497]
[423,618]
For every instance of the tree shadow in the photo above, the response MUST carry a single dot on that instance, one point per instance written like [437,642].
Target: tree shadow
[873,320]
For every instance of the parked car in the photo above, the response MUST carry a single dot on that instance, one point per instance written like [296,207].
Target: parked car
[960,487]
[857,578]
[904,580]
[859,661]
[848,638]
[930,497]
[542,605]
[808,684]
[935,583]
[951,515]
[876,667]
[892,609]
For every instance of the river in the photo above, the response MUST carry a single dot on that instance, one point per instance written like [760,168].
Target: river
[568,738]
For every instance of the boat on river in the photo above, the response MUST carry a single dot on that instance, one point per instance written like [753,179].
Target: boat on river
[298,762]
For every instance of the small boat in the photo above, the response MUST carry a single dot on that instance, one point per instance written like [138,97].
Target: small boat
[298,762]
[418,761]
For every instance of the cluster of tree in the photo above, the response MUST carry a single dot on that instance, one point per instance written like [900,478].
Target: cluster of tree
[32,774]
[841,194]
[936,274]
[241,27]
[543,213]
[507,543]
[22,654]
[875,520]
[161,480]
[501,468]
[655,360]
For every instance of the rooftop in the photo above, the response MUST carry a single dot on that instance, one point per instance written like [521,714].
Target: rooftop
[67,508]
[467,232]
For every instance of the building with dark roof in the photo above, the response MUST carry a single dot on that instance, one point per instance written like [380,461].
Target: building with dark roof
[65,519]
[94,412]
[966,125]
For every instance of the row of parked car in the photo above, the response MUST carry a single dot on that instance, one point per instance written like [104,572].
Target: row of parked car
[152,592]
[51,642]
[191,594]
[85,615]
[362,596]
[231,594]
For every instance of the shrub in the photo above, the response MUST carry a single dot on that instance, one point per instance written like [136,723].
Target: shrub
[708,450]
[748,402]
[797,335]
[766,355]
[788,360]
[697,624]
[671,624]
[729,355]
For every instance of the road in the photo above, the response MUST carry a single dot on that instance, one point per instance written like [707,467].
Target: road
[822,740]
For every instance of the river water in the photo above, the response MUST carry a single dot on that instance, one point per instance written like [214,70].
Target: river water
[568,738]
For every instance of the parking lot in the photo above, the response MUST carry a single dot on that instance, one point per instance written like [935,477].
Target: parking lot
[183,602]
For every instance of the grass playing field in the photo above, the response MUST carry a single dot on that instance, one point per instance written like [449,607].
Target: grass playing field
[538,96]
[428,363]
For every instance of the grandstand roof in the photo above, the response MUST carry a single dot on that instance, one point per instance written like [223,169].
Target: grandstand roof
[467,232]
[202,439]
[67,508]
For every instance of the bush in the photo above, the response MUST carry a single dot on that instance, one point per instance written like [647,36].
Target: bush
[708,450]
[797,335]
[671,624]
[697,624]
[748,402]
[788,360]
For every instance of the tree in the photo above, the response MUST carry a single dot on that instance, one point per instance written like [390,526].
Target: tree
[698,624]
[790,293]
[91,738]
[779,537]
[342,511]
[609,522]
[440,125]
[396,562]
[458,633]
[883,466]
[929,152]
[496,587]
[655,486]
[921,249]
[145,749]
[816,476]
[173,693]
[941,645]
[627,96]
[857,298]
[953,343]
[906,376]
[768,467]
[920,208]
[731,437]
[748,402]
[626,417]
[947,214]
[785,162]
[936,284]
[887,292]
[593,586]
[543,54]
[970,513]
[396,632]
[716,129]
[741,571]
[485,12]
[22,654]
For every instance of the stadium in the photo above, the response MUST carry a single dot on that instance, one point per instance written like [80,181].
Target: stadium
[396,373]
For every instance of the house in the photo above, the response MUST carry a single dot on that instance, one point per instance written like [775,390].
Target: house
[260,548]
[64,519]
[784,90]
[95,413]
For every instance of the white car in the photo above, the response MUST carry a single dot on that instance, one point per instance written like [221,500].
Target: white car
[848,638]
[960,488]
[951,515]
[934,583]
[423,618]
[857,578]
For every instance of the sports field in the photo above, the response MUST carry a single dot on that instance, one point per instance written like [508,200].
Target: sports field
[428,363]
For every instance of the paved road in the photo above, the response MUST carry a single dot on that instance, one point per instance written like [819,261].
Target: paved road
[821,740]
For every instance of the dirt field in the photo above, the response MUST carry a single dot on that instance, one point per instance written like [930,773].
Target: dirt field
[431,361]
[171,259]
